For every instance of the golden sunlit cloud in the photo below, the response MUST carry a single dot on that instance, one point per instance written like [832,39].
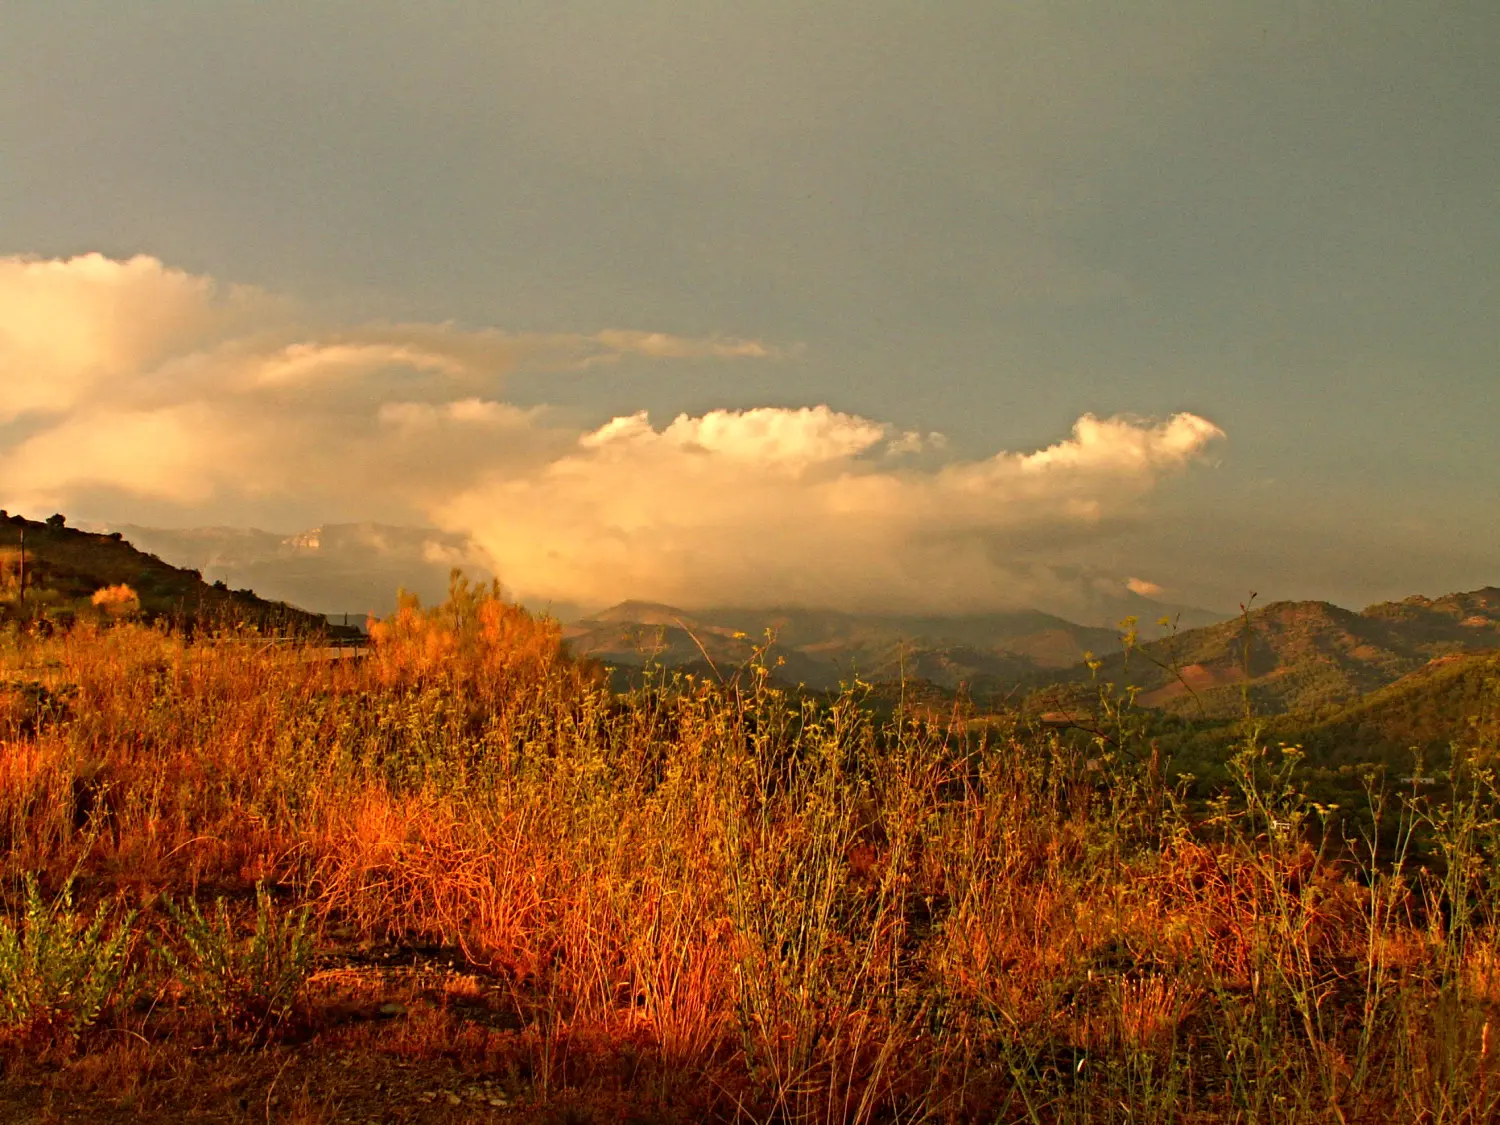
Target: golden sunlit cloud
[133,379]
[772,505]
[1144,588]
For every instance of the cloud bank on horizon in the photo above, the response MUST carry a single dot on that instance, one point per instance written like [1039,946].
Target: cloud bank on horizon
[135,386]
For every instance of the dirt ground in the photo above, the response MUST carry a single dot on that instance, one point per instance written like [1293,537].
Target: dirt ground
[385,1043]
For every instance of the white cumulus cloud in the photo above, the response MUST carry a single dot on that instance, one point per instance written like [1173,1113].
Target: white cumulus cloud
[784,505]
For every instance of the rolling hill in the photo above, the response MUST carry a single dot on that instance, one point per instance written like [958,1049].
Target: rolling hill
[64,567]
[1451,700]
[1310,657]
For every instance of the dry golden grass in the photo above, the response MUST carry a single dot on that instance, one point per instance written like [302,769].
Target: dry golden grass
[721,902]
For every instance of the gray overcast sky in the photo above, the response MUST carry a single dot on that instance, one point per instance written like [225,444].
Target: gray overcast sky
[979,218]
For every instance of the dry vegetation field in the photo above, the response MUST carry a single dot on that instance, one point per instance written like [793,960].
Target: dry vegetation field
[461,880]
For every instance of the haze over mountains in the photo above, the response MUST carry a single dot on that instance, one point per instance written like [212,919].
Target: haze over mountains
[357,567]
[823,648]
[1303,657]
[353,568]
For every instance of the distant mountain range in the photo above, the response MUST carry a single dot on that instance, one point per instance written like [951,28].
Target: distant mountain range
[823,648]
[1310,658]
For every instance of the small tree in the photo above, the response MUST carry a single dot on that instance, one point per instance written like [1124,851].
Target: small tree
[57,519]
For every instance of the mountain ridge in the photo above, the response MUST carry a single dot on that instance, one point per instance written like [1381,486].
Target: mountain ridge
[1297,655]
[823,648]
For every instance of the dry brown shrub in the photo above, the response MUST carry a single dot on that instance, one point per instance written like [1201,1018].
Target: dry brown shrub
[116,601]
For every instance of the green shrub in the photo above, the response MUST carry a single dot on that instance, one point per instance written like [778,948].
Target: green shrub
[60,971]
[250,987]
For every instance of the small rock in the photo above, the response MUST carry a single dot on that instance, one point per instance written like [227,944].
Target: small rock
[499,1103]
[426,1096]
[454,1099]
[391,1010]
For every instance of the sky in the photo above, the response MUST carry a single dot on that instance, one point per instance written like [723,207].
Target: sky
[924,306]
